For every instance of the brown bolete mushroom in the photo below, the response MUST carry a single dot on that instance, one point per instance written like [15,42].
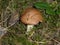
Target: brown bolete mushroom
[31,17]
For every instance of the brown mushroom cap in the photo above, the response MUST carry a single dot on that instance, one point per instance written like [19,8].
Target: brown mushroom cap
[31,16]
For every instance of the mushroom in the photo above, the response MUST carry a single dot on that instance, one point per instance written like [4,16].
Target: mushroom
[31,17]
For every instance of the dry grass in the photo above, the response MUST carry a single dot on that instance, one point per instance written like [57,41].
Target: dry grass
[46,33]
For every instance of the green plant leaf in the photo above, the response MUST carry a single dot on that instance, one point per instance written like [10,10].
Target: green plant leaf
[42,5]
[58,11]
[50,11]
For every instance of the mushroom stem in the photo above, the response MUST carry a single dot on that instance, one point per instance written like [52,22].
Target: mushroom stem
[29,28]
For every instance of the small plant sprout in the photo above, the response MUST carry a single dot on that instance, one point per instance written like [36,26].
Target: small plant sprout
[31,17]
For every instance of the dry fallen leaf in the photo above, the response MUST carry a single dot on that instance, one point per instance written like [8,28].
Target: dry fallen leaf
[14,18]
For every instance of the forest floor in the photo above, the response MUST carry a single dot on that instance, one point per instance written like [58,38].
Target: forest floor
[46,33]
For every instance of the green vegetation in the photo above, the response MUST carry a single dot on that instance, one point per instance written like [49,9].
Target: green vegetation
[46,33]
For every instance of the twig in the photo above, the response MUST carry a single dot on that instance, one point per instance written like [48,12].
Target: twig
[52,38]
[6,29]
